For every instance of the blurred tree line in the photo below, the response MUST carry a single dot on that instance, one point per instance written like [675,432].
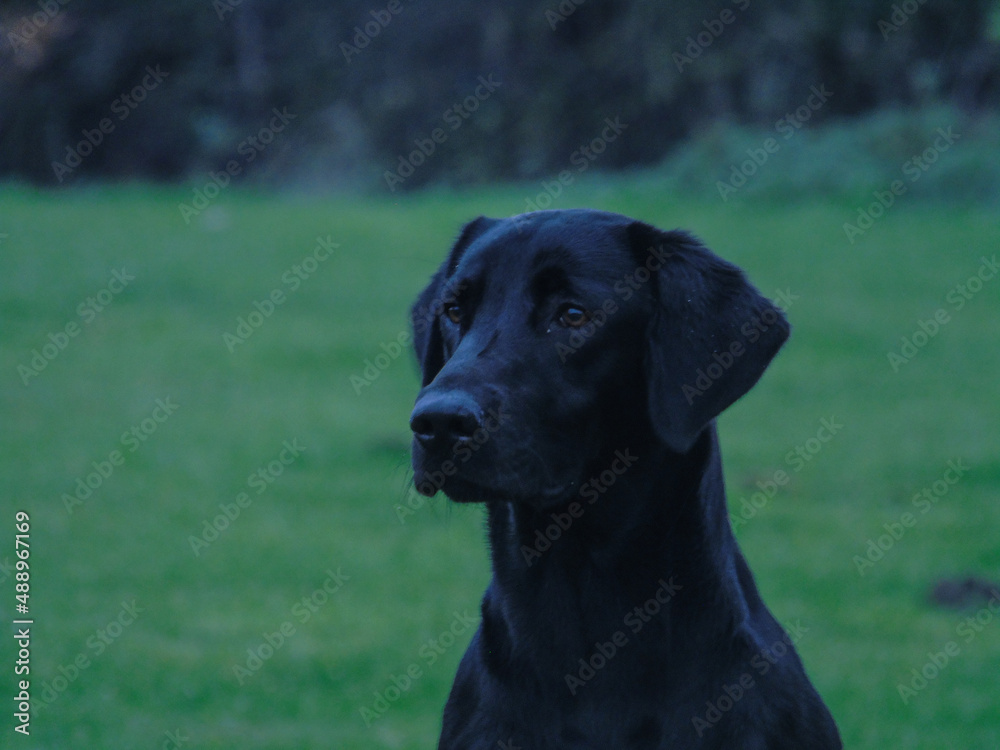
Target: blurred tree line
[449,91]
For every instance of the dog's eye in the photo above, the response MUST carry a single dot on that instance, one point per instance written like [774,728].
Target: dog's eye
[573,317]
[454,312]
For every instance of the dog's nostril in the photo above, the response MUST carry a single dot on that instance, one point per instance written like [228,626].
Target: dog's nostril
[463,426]
[421,425]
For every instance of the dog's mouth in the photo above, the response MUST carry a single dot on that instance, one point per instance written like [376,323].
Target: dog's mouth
[493,474]
[461,490]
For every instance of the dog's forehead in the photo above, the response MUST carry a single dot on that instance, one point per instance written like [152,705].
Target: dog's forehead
[589,244]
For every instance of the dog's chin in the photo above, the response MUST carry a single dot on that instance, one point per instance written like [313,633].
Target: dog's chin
[460,489]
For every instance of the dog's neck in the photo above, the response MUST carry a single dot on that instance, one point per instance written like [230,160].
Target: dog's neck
[661,522]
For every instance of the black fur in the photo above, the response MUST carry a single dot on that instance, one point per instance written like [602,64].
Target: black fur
[621,613]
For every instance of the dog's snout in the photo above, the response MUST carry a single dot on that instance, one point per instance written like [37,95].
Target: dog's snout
[445,418]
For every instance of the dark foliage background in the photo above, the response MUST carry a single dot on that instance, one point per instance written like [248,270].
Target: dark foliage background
[231,62]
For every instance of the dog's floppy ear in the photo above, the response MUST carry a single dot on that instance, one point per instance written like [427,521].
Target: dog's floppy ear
[424,313]
[711,334]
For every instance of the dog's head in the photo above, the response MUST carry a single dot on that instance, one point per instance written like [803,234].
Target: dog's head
[546,339]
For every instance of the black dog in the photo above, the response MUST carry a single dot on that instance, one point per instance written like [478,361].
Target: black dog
[573,365]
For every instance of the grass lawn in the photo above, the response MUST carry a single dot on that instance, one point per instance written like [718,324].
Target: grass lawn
[151,626]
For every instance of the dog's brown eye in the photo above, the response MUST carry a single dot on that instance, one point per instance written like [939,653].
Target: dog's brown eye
[573,317]
[454,313]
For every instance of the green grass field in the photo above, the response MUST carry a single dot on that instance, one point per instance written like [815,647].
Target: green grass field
[175,666]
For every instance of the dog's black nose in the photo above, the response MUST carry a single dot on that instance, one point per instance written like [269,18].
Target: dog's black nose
[445,417]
